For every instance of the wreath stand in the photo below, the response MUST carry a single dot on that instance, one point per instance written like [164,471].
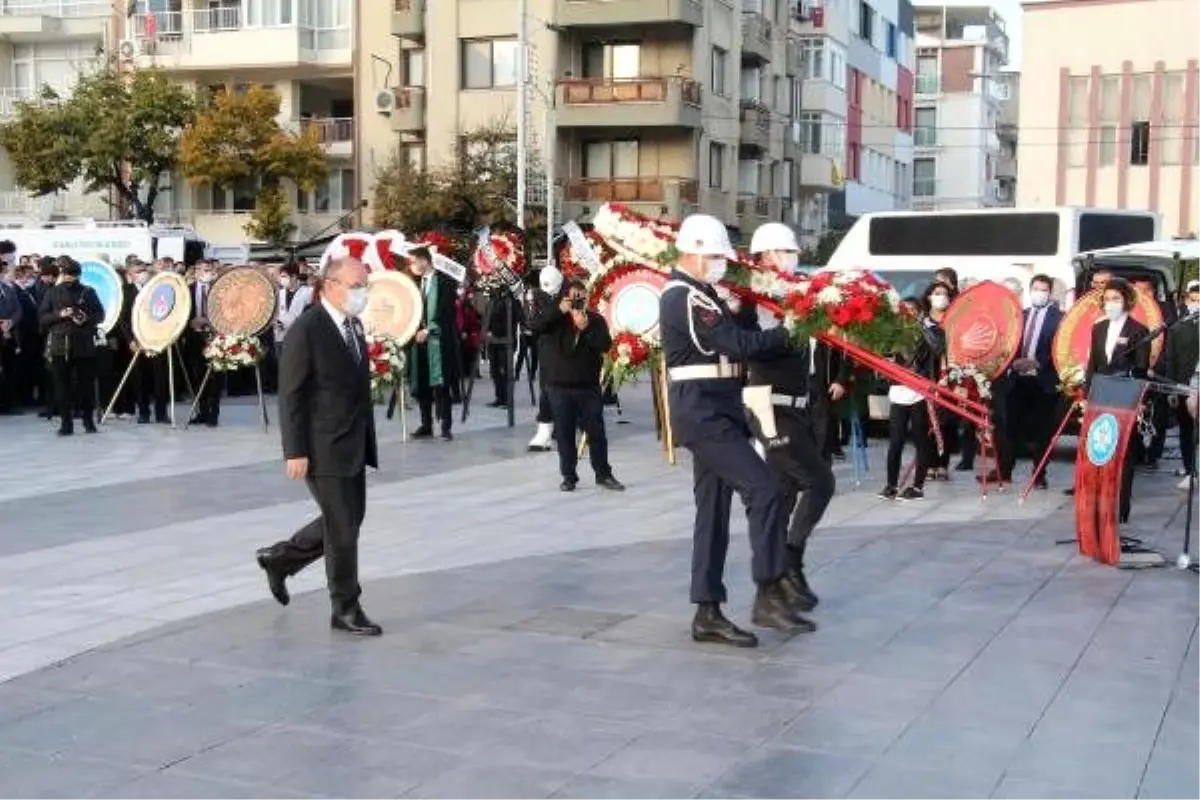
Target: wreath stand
[173,353]
[258,385]
[662,411]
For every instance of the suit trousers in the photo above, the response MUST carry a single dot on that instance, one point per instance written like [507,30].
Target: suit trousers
[499,368]
[579,410]
[801,467]
[334,535]
[721,466]
[151,380]
[427,398]
[74,388]
[1030,421]
[1187,437]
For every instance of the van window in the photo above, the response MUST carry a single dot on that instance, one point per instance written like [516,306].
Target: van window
[1101,231]
[1017,235]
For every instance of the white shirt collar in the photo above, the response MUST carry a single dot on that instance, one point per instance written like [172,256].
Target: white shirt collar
[338,316]
[1115,326]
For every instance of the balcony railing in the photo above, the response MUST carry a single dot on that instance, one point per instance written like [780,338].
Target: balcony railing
[756,26]
[630,190]
[330,130]
[170,28]
[754,204]
[220,19]
[598,91]
[56,8]
[11,96]
[924,187]
[928,84]
[925,137]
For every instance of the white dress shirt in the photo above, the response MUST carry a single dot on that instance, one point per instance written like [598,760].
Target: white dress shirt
[1114,333]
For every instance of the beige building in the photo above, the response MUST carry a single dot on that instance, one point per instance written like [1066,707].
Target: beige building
[1108,113]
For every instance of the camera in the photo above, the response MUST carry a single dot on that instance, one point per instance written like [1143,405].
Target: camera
[578,303]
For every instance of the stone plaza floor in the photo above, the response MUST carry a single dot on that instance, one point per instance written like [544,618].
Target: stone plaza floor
[537,644]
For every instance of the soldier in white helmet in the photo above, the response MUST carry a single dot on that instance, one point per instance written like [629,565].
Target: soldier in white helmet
[800,386]
[704,350]
[550,281]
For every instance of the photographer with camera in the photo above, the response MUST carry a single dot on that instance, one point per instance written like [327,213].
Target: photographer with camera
[71,314]
[574,342]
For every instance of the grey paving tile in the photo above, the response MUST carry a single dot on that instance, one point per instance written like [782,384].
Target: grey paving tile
[24,774]
[861,733]
[495,781]
[1171,773]
[562,742]
[1014,788]
[598,786]
[786,773]
[891,781]
[176,784]
[697,758]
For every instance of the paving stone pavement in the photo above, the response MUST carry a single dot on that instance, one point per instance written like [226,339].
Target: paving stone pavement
[537,644]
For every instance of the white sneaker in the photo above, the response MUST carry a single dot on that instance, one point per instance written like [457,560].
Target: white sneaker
[543,439]
[1183,484]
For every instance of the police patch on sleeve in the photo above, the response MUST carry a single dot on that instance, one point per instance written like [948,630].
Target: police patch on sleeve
[706,311]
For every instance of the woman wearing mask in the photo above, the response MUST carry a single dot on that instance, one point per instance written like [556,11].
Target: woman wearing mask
[909,412]
[1120,347]
[938,297]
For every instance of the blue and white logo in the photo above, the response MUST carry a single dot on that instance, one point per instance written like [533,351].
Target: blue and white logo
[1103,438]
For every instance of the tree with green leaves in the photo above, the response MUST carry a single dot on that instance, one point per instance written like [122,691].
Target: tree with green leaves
[119,132]
[238,138]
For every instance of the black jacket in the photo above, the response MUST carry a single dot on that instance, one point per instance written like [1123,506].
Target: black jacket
[1181,352]
[66,337]
[1136,362]
[570,358]
[326,413]
[497,323]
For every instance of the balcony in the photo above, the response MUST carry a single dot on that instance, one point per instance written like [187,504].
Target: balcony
[35,20]
[819,172]
[336,134]
[925,137]
[604,13]
[218,38]
[929,85]
[628,103]
[755,127]
[409,115]
[652,196]
[752,210]
[756,37]
[408,19]
[1006,168]
[11,96]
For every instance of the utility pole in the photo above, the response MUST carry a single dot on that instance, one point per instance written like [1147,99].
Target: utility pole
[522,107]
[549,141]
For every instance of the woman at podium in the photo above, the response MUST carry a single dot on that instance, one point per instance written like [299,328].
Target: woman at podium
[1121,346]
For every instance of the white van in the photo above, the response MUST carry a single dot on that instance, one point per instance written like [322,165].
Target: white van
[111,241]
[1008,245]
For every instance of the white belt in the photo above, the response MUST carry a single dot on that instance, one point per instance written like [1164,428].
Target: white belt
[705,372]
[789,401]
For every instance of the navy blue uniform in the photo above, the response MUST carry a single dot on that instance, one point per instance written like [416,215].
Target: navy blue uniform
[704,350]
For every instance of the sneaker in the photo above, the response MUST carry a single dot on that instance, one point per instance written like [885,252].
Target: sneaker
[889,493]
[1184,484]
[912,493]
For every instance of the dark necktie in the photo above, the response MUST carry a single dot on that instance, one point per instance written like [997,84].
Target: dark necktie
[202,294]
[1029,329]
[351,339]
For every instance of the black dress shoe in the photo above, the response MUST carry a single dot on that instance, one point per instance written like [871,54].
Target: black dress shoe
[211,422]
[798,593]
[447,436]
[66,431]
[143,420]
[89,427]
[276,578]
[610,483]
[567,486]
[773,610]
[710,625]
[423,433]
[355,622]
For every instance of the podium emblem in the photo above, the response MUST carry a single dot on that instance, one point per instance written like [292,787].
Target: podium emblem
[1103,438]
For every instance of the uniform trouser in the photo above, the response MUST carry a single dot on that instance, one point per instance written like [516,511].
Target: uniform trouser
[722,466]
[334,535]
[801,467]
[74,388]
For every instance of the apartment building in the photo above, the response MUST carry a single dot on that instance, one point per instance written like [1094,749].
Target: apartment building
[47,43]
[961,97]
[1108,116]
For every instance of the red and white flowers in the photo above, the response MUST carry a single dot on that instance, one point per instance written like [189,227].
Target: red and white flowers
[629,355]
[386,358]
[503,252]
[967,382]
[572,266]
[231,352]
[1072,380]
[635,237]
[853,303]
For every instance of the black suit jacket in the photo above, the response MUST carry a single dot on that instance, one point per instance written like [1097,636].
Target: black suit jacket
[1136,362]
[326,412]
[1042,350]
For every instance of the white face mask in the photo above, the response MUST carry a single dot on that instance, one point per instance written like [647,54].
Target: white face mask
[789,262]
[285,282]
[1039,298]
[356,301]
[714,269]
[1192,308]
[1114,311]
[939,302]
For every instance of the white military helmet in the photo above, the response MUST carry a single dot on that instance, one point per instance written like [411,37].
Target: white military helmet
[773,236]
[703,235]
[550,279]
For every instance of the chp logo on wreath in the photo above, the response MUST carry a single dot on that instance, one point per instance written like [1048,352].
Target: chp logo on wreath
[1103,438]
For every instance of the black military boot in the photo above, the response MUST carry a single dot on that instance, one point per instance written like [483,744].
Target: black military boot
[710,625]
[799,592]
[774,609]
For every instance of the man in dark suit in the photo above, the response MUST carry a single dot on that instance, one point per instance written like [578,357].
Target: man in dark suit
[208,409]
[1033,384]
[1179,362]
[435,355]
[327,419]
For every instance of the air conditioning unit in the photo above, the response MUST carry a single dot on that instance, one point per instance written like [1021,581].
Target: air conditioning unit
[385,101]
[127,49]
[147,47]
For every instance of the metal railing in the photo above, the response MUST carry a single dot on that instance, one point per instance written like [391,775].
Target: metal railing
[594,91]
[329,129]
[56,8]
[218,19]
[656,189]
[756,205]
[173,26]
[755,25]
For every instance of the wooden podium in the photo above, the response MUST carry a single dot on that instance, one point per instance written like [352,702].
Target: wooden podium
[1104,440]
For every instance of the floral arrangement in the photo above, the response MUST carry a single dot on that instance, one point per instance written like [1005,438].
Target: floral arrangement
[572,267]
[854,304]
[1072,381]
[509,254]
[387,363]
[629,355]
[636,237]
[436,240]
[601,290]
[233,351]
[967,382]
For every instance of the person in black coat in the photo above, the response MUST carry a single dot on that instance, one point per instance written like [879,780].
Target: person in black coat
[70,314]
[500,327]
[327,420]
[208,404]
[435,354]
[1120,347]
[1179,363]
